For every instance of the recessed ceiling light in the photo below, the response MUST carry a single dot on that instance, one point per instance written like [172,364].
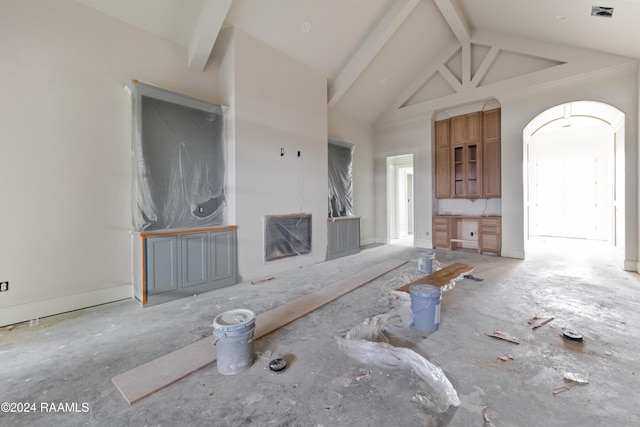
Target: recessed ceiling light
[306,26]
[605,12]
[561,17]
[383,80]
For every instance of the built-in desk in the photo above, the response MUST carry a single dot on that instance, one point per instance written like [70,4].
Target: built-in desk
[482,233]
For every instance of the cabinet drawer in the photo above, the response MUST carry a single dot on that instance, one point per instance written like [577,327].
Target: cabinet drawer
[490,242]
[489,230]
[441,226]
[490,225]
[441,221]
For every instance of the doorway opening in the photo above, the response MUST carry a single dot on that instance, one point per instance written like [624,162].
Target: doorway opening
[400,209]
[574,177]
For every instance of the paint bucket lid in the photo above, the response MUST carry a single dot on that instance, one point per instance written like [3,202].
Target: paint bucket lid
[425,291]
[233,320]
[572,335]
[277,365]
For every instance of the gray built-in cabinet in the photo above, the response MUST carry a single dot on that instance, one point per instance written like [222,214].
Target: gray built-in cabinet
[343,236]
[183,263]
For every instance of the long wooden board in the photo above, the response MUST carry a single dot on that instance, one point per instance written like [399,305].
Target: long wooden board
[157,374]
[441,277]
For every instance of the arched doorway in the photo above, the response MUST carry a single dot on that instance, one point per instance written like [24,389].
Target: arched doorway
[574,174]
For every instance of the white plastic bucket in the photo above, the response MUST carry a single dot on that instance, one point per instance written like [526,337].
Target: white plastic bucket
[234,340]
[425,262]
[425,305]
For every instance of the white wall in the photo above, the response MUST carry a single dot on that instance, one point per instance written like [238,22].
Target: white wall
[361,135]
[413,138]
[65,174]
[277,103]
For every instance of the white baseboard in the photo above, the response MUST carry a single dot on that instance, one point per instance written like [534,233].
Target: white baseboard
[424,243]
[369,241]
[38,309]
[512,253]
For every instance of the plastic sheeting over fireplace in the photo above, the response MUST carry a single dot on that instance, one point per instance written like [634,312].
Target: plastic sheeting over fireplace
[286,236]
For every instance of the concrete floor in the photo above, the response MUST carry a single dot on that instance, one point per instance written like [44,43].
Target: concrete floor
[71,358]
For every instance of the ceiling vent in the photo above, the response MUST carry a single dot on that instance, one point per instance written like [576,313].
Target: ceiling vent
[605,12]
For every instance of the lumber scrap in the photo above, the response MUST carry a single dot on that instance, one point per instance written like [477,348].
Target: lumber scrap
[566,386]
[442,277]
[537,322]
[503,336]
[143,381]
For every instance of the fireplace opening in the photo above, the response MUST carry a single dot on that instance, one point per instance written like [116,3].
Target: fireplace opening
[287,236]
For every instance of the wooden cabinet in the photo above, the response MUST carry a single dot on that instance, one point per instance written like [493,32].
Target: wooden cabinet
[442,232]
[443,160]
[490,235]
[458,130]
[466,153]
[343,237]
[491,153]
[469,232]
[162,264]
[195,259]
[467,164]
[470,167]
[171,265]
[473,128]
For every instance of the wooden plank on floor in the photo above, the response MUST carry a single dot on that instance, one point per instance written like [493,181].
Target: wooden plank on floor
[157,374]
[441,277]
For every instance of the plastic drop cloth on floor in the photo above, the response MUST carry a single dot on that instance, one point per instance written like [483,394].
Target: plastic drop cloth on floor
[368,344]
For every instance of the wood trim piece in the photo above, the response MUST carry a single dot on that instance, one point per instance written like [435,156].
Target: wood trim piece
[143,285]
[157,374]
[184,231]
[441,277]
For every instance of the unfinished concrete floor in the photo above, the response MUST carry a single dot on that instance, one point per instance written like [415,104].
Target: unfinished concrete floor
[72,357]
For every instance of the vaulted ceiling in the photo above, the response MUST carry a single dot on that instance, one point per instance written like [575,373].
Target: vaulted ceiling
[382,56]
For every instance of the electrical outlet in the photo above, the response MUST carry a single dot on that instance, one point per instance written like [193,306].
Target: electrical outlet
[201,209]
[4,286]
[427,233]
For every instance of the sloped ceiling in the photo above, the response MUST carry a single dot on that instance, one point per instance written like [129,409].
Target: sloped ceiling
[381,57]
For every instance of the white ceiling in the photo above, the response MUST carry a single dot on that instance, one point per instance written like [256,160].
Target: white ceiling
[372,50]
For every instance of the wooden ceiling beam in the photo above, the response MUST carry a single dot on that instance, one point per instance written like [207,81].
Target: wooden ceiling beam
[452,13]
[206,32]
[376,40]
